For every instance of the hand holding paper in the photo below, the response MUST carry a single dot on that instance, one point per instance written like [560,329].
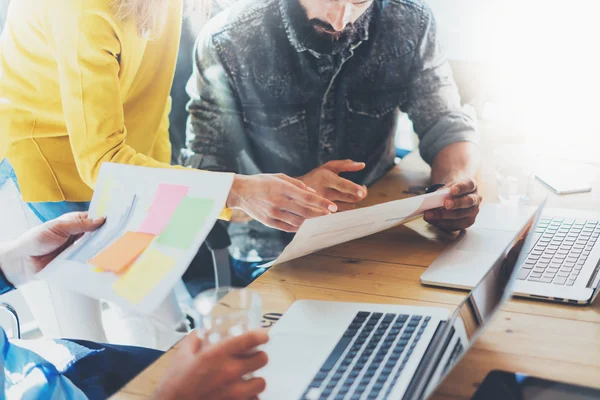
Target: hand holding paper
[459,210]
[156,219]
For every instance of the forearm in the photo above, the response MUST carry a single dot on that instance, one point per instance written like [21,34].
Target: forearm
[454,162]
[214,137]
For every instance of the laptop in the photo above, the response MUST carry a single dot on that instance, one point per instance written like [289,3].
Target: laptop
[562,263]
[337,350]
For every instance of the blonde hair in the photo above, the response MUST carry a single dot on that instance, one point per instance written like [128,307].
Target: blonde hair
[151,15]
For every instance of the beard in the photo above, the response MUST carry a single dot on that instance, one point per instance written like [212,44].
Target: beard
[319,35]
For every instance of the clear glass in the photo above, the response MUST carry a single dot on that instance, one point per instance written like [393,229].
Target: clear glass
[514,166]
[226,312]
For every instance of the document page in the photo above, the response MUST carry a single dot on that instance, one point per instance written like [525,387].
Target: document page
[156,220]
[319,233]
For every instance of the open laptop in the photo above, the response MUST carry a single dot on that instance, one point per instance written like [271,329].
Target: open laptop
[336,350]
[563,260]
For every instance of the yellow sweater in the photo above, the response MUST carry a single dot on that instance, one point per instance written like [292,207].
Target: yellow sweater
[79,87]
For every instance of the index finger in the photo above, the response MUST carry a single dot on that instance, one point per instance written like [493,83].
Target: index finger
[464,186]
[346,186]
[312,200]
[242,344]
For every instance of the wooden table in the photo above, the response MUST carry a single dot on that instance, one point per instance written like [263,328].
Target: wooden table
[554,341]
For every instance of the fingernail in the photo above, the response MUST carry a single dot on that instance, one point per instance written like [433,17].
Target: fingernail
[97,220]
[311,189]
[333,208]
[449,204]
[360,193]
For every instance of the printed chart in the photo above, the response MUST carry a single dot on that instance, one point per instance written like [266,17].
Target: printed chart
[156,219]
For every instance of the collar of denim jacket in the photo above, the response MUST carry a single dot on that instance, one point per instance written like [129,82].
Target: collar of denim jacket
[292,33]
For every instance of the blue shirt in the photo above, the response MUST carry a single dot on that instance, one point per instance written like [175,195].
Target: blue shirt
[264,100]
[34,369]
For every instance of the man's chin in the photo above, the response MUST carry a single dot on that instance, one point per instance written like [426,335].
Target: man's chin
[325,33]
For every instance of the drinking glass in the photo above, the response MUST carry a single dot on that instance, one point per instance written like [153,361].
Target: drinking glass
[226,312]
[514,166]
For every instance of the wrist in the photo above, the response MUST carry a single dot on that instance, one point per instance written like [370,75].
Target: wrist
[434,187]
[235,194]
[449,177]
[164,392]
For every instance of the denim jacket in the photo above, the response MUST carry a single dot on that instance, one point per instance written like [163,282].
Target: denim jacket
[263,102]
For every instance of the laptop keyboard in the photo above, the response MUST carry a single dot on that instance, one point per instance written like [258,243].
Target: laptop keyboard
[456,352]
[369,358]
[562,248]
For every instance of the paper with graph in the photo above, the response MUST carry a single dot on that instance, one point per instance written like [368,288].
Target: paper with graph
[322,232]
[156,220]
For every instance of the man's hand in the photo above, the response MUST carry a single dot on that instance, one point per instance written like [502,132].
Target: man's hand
[277,200]
[326,181]
[215,372]
[459,211]
[29,254]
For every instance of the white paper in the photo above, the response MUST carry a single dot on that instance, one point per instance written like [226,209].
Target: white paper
[319,233]
[131,193]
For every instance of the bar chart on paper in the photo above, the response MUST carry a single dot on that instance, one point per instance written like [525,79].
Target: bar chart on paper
[156,219]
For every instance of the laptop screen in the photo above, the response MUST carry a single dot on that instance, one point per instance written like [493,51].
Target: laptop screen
[482,303]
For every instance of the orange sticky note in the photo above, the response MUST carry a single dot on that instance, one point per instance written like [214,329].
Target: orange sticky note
[121,253]
[144,275]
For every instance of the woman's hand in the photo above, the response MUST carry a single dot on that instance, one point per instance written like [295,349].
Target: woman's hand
[30,253]
[277,200]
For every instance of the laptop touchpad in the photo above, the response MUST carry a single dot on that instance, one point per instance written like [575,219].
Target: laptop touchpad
[477,240]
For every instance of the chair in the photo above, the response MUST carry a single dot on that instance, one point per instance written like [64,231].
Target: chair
[211,267]
[15,323]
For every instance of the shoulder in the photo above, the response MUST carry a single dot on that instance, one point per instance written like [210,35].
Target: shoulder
[80,7]
[416,7]
[411,16]
[242,19]
[81,14]
[85,25]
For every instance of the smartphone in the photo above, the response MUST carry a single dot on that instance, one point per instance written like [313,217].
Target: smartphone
[502,385]
[563,183]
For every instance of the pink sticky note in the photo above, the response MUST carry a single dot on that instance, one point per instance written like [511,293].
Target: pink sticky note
[165,202]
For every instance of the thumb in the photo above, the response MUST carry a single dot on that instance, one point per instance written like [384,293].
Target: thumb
[192,343]
[338,166]
[77,223]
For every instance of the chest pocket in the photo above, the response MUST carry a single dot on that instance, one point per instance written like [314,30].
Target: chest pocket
[374,104]
[278,132]
[371,121]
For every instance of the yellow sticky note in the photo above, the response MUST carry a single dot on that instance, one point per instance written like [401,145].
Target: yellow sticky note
[143,276]
[105,196]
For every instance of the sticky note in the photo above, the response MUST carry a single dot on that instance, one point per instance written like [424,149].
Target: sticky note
[122,252]
[187,220]
[143,276]
[166,200]
[98,270]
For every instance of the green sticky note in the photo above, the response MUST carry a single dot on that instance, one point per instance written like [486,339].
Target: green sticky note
[188,219]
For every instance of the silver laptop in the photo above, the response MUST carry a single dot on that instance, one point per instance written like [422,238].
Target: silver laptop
[336,350]
[562,263]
